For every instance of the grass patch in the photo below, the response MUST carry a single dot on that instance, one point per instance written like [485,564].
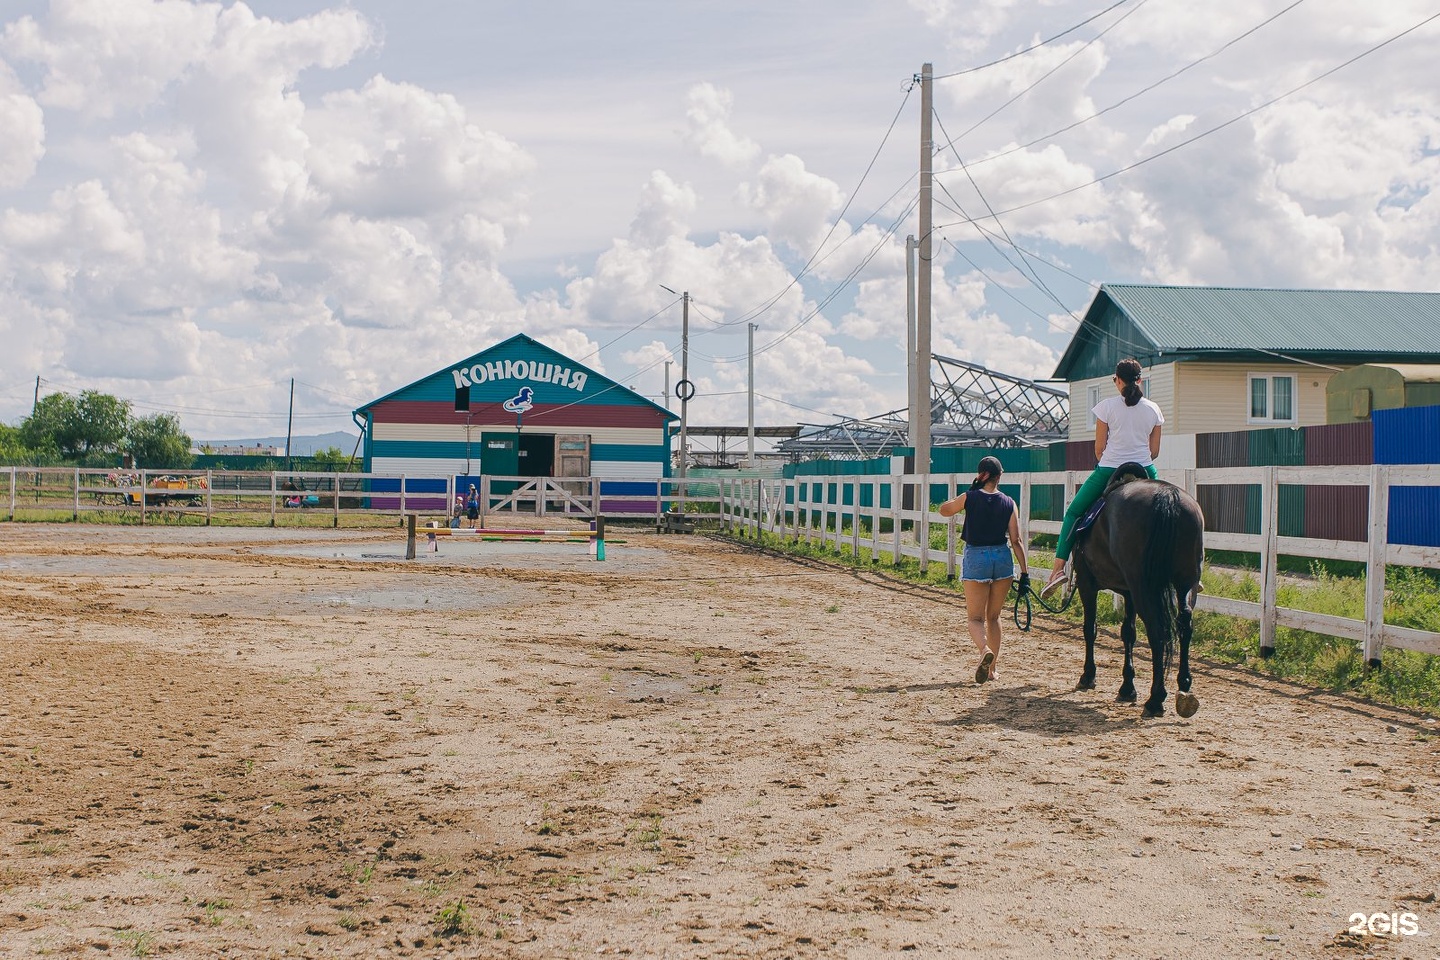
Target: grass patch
[1406,678]
[454,920]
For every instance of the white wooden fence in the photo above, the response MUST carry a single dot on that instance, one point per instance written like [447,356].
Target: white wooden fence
[150,495]
[788,508]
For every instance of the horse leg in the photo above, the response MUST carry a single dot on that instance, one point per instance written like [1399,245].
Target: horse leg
[1186,703]
[1153,615]
[1127,637]
[1087,676]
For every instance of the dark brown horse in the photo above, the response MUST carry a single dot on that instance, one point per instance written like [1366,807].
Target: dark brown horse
[1147,545]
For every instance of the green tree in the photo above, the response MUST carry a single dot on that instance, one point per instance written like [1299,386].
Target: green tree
[78,427]
[46,430]
[157,442]
[333,460]
[13,450]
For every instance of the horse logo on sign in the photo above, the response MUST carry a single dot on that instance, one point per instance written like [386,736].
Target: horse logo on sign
[521,402]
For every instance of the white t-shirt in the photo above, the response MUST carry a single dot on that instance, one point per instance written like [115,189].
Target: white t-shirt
[1130,427]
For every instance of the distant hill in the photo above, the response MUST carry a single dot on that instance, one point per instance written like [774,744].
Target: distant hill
[303,446]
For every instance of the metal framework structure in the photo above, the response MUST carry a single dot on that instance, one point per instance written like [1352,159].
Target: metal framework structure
[970,405]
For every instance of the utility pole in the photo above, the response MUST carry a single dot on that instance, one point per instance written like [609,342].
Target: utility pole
[921,415]
[750,435]
[910,404]
[687,392]
[36,405]
[290,424]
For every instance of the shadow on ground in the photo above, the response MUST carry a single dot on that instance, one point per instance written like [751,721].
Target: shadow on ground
[1028,709]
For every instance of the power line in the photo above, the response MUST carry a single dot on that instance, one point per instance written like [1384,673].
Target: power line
[1032,47]
[596,351]
[1141,92]
[1044,76]
[755,312]
[1215,129]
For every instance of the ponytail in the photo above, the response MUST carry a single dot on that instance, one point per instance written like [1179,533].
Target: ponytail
[988,470]
[1129,372]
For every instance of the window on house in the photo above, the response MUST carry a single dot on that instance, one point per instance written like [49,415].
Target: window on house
[1272,398]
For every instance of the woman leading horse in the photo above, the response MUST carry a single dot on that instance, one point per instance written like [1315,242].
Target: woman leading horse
[987,566]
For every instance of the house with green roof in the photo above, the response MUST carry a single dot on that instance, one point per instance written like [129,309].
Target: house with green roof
[1220,359]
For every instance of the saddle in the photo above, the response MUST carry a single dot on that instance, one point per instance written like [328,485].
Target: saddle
[1124,473]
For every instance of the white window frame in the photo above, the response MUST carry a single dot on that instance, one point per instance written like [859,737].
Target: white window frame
[1270,379]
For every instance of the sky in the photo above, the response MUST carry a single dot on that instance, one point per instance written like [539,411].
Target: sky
[200,201]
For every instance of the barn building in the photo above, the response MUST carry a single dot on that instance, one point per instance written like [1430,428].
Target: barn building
[518,409]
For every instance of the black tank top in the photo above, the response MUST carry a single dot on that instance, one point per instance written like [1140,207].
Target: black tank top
[987,518]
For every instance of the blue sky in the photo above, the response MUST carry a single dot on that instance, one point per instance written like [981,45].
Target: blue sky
[199,201]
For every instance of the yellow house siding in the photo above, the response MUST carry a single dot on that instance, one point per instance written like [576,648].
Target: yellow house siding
[1214,397]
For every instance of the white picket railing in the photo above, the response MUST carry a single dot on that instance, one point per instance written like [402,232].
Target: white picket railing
[149,494]
[836,517]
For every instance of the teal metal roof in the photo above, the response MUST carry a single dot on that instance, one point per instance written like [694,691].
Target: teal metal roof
[1352,326]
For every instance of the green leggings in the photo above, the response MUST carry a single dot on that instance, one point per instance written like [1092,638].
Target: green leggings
[1085,498]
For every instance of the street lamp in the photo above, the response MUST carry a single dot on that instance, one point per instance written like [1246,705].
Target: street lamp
[684,389]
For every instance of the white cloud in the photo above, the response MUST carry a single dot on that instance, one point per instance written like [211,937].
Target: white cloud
[23,123]
[665,208]
[397,150]
[100,56]
[794,203]
[708,127]
[256,197]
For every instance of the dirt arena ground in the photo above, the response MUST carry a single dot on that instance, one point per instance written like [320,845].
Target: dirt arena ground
[256,743]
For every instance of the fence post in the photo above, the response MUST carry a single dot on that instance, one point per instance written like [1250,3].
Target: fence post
[951,482]
[335,490]
[896,503]
[922,529]
[410,536]
[1024,518]
[12,494]
[144,485]
[209,495]
[272,498]
[75,514]
[1269,559]
[484,498]
[1375,565]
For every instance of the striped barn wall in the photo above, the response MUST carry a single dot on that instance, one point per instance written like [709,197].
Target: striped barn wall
[550,417]
[454,450]
[455,433]
[416,430]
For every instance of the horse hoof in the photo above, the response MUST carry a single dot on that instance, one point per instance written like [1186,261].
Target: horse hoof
[1150,713]
[1123,697]
[1186,704]
[1085,685]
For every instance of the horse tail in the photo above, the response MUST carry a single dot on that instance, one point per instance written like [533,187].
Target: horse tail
[1158,586]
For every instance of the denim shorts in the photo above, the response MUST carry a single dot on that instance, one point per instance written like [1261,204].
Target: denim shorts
[986,564]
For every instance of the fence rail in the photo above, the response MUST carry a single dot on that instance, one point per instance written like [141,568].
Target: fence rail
[150,495]
[852,513]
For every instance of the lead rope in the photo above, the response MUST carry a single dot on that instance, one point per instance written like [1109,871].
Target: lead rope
[1022,594]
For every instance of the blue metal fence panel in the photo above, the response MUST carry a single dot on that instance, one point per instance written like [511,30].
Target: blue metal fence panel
[1410,435]
[1415,516]
[1407,435]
